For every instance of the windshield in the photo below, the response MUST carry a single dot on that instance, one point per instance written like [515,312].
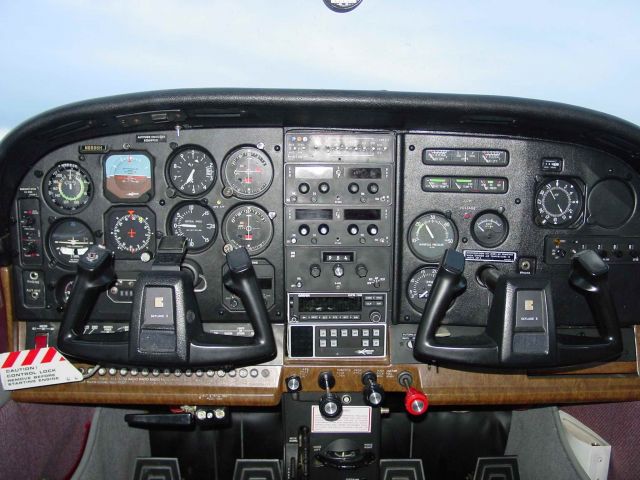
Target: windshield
[581,52]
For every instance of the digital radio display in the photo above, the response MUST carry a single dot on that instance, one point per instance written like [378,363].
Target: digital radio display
[329,304]
[362,214]
[314,214]
[314,172]
[365,173]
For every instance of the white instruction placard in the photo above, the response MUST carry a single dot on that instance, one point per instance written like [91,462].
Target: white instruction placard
[353,420]
[36,368]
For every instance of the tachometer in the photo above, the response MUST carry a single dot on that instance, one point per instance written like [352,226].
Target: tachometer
[192,171]
[430,235]
[419,287]
[196,223]
[68,187]
[558,202]
[68,240]
[248,172]
[131,231]
[248,226]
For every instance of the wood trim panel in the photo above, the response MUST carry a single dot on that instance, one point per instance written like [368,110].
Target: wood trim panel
[615,381]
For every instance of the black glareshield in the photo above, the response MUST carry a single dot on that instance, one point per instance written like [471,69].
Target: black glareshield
[165,329]
[521,328]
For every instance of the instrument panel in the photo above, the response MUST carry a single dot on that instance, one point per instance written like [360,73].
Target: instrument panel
[345,228]
[127,192]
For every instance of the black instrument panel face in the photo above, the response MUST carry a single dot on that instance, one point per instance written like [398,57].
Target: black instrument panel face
[498,201]
[137,188]
[348,213]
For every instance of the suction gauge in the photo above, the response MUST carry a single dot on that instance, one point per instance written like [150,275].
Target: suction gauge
[490,229]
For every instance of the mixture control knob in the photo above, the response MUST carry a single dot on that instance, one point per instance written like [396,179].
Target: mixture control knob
[338,270]
[353,187]
[362,270]
[353,229]
[304,230]
[415,402]
[373,391]
[315,270]
[375,316]
[373,188]
[323,229]
[330,404]
[324,187]
[304,188]
[294,384]
[372,230]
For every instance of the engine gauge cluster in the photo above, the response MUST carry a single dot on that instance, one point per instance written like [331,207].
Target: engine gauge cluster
[131,232]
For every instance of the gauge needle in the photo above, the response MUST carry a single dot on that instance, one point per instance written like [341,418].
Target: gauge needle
[424,294]
[188,225]
[430,232]
[189,178]
[480,228]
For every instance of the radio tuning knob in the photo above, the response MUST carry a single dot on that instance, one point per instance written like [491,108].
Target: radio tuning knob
[304,230]
[324,187]
[361,270]
[338,270]
[373,188]
[323,229]
[315,270]
[353,229]
[353,188]
[372,230]
[303,188]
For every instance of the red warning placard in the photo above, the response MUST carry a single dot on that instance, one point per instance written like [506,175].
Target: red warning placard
[36,368]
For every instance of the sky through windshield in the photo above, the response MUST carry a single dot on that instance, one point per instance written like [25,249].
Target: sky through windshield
[583,52]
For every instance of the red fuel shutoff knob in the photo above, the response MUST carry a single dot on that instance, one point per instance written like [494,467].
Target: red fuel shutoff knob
[415,402]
